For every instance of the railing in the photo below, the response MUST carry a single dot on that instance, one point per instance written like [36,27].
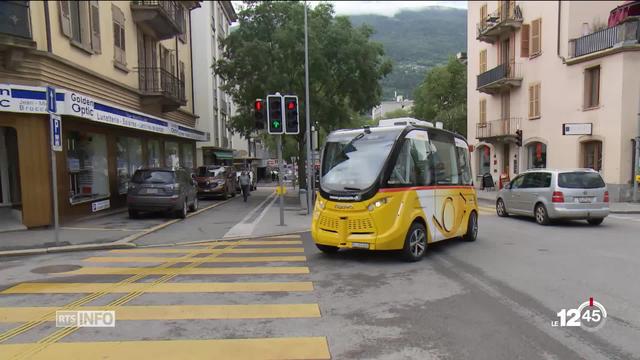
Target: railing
[509,70]
[154,80]
[170,8]
[16,19]
[627,33]
[500,15]
[497,128]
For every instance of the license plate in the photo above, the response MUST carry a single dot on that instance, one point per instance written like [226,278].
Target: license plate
[584,200]
[360,245]
[151,191]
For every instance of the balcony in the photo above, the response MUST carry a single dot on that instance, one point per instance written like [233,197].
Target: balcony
[502,130]
[159,19]
[15,32]
[501,78]
[161,87]
[620,36]
[504,20]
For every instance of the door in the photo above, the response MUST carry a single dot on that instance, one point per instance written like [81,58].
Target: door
[9,172]
[534,185]
[512,194]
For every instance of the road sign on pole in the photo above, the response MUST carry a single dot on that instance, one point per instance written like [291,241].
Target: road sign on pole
[56,132]
[56,145]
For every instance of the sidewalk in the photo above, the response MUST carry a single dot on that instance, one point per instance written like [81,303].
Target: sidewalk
[614,207]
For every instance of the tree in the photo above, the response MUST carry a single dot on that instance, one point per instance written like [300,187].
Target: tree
[442,96]
[265,54]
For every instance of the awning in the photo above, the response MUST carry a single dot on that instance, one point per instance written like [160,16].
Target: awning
[223,155]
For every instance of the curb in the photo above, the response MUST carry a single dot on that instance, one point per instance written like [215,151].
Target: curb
[628,212]
[226,239]
[118,244]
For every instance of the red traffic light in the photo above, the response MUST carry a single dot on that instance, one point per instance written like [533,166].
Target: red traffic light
[258,105]
[291,105]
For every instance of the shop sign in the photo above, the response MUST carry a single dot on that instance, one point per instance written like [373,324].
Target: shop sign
[100,205]
[29,99]
[577,129]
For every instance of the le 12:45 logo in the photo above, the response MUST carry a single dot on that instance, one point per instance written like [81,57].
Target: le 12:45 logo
[590,315]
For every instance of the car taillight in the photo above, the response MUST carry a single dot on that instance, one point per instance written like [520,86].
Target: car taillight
[557,197]
[606,196]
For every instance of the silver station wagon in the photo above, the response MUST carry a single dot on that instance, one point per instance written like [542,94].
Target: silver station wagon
[548,195]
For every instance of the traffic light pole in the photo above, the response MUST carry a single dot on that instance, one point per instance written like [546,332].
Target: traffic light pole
[307,105]
[280,176]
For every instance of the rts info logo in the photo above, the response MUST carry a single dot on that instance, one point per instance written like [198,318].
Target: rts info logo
[590,315]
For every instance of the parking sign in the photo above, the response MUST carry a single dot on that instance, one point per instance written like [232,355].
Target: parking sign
[56,132]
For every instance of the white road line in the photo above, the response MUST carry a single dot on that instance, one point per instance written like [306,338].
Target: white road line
[243,228]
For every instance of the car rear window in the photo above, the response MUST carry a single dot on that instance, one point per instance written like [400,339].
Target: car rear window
[153,177]
[211,171]
[580,180]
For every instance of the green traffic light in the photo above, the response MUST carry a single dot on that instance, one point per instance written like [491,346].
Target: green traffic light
[276,124]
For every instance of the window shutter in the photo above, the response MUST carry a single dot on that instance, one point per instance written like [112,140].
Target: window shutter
[537,100]
[94,15]
[531,101]
[524,41]
[483,61]
[65,18]
[535,36]
[483,111]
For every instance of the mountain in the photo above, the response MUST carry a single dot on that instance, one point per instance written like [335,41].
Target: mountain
[416,41]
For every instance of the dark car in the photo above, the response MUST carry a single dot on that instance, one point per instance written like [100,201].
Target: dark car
[162,189]
[216,180]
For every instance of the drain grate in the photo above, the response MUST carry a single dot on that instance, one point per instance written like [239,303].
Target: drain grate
[52,269]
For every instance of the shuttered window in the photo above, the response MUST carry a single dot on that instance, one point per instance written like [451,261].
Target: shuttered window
[592,87]
[483,61]
[534,101]
[524,40]
[536,35]
[483,16]
[119,45]
[94,17]
[80,22]
[483,111]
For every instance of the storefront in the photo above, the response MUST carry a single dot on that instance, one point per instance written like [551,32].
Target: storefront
[217,156]
[102,146]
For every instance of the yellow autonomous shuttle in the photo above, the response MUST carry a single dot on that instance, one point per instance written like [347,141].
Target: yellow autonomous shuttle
[399,186]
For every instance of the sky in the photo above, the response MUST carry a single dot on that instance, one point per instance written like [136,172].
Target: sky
[386,8]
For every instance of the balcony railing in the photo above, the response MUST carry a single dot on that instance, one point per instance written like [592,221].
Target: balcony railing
[497,128]
[159,83]
[500,78]
[504,19]
[626,33]
[160,19]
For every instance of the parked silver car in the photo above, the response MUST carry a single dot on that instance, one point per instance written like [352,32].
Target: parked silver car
[548,195]
[162,189]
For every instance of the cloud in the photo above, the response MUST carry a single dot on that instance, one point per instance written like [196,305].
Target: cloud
[388,8]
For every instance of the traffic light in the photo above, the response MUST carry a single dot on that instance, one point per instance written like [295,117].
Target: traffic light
[519,137]
[274,114]
[292,124]
[259,114]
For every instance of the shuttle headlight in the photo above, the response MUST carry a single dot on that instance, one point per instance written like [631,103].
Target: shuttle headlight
[378,203]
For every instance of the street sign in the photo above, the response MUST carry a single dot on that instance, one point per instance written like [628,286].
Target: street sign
[56,132]
[52,105]
[577,129]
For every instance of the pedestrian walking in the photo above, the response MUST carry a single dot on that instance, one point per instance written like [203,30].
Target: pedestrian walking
[245,182]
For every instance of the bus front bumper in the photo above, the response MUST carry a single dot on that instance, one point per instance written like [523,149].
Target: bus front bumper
[341,237]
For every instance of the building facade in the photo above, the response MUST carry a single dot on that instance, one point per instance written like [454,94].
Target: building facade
[213,106]
[564,75]
[121,78]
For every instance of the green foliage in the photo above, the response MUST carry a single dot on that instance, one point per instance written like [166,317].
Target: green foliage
[442,96]
[416,41]
[398,113]
[265,55]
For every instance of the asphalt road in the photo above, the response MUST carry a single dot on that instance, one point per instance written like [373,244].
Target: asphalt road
[491,299]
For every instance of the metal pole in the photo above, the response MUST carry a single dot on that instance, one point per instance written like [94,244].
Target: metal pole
[307,107]
[280,172]
[54,183]
[636,165]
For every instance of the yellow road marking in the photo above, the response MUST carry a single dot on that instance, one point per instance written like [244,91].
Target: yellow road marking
[250,242]
[174,312]
[242,270]
[152,259]
[72,288]
[219,349]
[282,250]
[99,229]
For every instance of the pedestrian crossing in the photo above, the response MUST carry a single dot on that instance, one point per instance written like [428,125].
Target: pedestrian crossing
[170,274]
